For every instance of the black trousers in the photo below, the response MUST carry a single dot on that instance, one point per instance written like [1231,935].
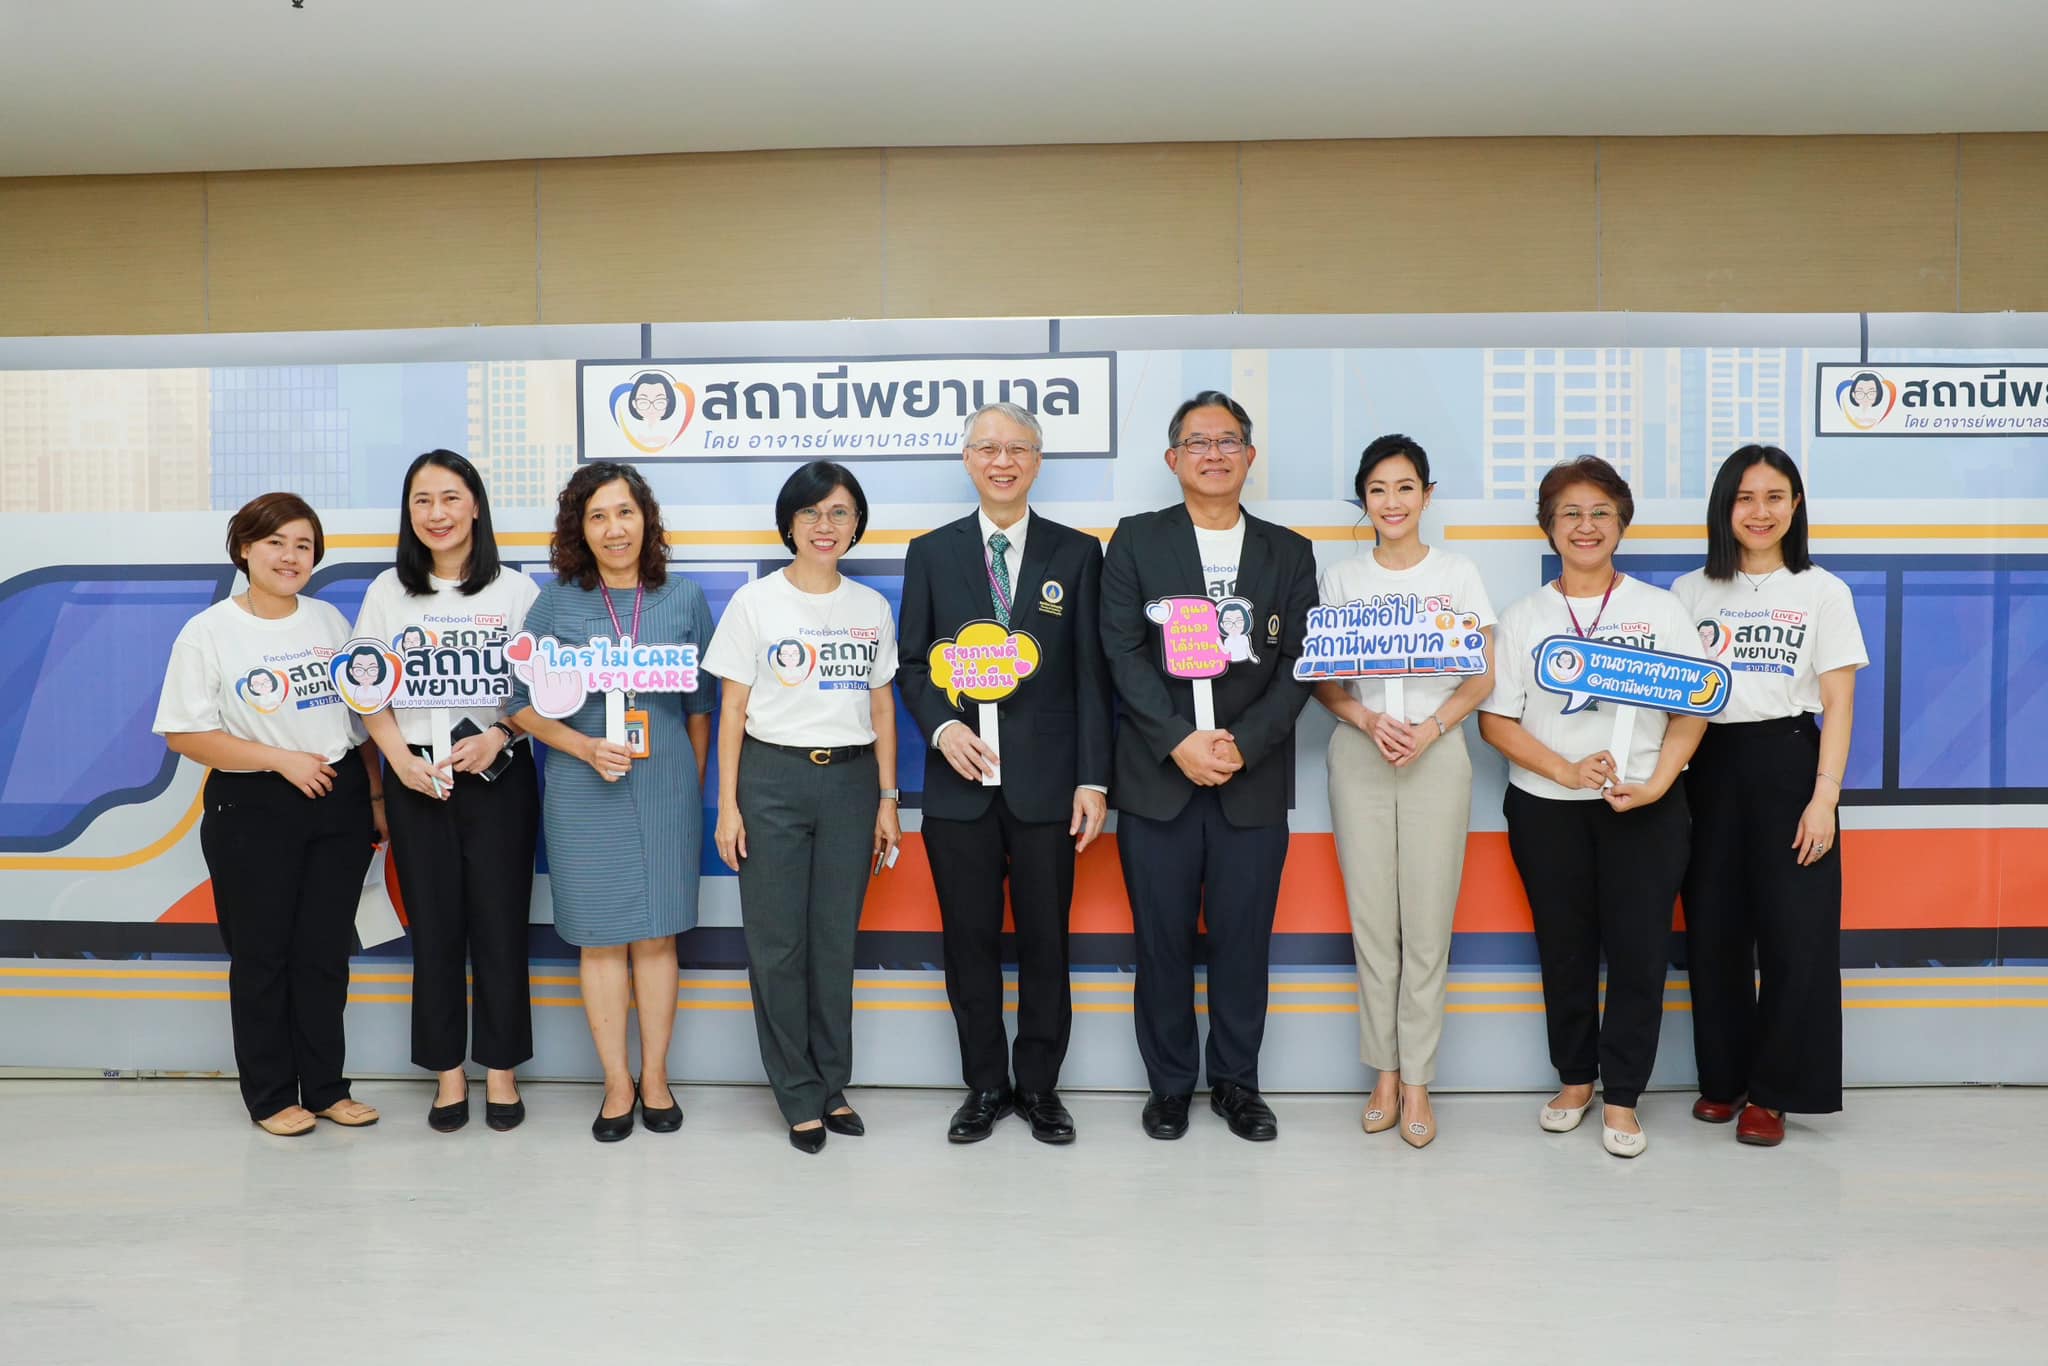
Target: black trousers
[1751,910]
[1601,882]
[287,871]
[1198,866]
[970,860]
[465,871]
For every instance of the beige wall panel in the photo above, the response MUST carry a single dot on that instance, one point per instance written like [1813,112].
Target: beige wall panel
[2005,221]
[1062,230]
[388,246]
[712,237]
[102,254]
[1809,224]
[1419,226]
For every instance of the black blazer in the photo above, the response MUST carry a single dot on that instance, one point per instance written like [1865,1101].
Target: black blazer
[1055,728]
[1153,555]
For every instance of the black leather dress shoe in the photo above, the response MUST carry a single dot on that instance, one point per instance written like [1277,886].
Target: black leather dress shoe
[1247,1113]
[613,1129]
[1165,1116]
[849,1123]
[446,1119]
[808,1140]
[504,1117]
[1049,1120]
[976,1118]
[660,1121]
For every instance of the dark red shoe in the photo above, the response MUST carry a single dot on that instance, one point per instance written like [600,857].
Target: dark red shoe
[1715,1111]
[1760,1126]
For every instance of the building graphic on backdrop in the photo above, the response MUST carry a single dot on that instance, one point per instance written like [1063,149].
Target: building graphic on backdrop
[1730,396]
[103,440]
[279,427]
[1546,404]
[522,428]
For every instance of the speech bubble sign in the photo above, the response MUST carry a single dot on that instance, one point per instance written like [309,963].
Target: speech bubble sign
[560,677]
[1588,671]
[985,661]
[367,673]
[1191,638]
[1391,635]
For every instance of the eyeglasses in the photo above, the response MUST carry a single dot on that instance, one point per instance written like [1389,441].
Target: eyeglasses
[1599,516]
[839,516]
[988,450]
[1222,445]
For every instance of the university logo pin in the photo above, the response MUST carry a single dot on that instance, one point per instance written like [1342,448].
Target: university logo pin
[1050,597]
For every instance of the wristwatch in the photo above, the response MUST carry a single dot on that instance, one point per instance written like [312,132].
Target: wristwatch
[890,794]
[510,734]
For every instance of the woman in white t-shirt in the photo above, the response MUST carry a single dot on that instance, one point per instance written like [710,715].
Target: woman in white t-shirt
[463,835]
[1401,782]
[1600,839]
[1763,894]
[807,789]
[293,812]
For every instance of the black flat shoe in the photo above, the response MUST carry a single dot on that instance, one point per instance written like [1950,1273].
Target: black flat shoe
[446,1119]
[1245,1111]
[976,1118]
[506,1117]
[1165,1117]
[661,1121]
[1049,1120]
[849,1124]
[613,1129]
[807,1140]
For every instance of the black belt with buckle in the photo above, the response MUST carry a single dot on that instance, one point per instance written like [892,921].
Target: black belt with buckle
[819,756]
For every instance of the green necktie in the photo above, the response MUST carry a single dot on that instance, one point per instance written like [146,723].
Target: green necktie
[999,575]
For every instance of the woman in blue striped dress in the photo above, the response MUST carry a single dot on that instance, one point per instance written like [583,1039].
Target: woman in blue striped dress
[624,830]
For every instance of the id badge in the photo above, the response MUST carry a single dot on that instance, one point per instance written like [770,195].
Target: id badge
[638,739]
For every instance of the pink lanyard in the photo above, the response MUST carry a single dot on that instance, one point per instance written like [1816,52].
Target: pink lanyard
[638,592]
[1584,631]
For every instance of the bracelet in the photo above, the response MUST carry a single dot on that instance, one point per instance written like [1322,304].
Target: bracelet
[376,797]
[510,734]
[1821,772]
[1441,730]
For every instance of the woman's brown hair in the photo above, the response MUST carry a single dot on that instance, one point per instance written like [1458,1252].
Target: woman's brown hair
[569,554]
[263,515]
[1585,469]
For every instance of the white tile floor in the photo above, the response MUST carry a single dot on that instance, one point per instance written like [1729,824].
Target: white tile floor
[148,1221]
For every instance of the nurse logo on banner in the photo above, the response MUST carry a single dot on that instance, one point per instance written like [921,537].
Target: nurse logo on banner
[1585,672]
[1199,640]
[1391,636]
[986,662]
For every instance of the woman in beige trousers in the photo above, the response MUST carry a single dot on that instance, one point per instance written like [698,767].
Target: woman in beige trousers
[1401,783]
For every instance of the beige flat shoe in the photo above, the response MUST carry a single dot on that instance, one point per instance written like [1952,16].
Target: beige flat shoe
[351,1114]
[1378,1121]
[291,1122]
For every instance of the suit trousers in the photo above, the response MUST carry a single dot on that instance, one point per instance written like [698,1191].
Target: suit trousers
[810,846]
[287,872]
[1401,845]
[1763,936]
[1193,869]
[1600,882]
[969,861]
[465,873]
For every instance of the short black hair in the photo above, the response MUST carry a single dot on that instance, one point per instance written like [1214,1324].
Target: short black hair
[375,655]
[1386,448]
[1724,556]
[1862,375]
[415,562]
[668,391]
[1209,398]
[812,484]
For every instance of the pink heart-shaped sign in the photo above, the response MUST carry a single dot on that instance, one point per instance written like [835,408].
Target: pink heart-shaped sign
[521,648]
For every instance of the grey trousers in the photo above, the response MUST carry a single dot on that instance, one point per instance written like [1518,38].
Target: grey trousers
[810,844]
[1401,845]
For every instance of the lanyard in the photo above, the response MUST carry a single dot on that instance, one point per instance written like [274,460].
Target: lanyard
[1584,631]
[638,592]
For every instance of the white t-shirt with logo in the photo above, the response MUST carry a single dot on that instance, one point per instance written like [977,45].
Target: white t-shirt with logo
[1638,614]
[1439,574]
[260,678]
[809,659]
[1778,634]
[445,617]
[1221,554]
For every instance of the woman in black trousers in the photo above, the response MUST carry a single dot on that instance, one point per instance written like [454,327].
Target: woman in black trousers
[1763,894]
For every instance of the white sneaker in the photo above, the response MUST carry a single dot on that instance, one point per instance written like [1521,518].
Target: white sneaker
[1623,1144]
[1562,1121]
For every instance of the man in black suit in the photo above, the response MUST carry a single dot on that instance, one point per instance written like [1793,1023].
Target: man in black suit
[1203,812]
[1006,564]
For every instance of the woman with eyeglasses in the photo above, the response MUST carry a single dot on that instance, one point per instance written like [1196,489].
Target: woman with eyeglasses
[1763,897]
[807,789]
[1600,839]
